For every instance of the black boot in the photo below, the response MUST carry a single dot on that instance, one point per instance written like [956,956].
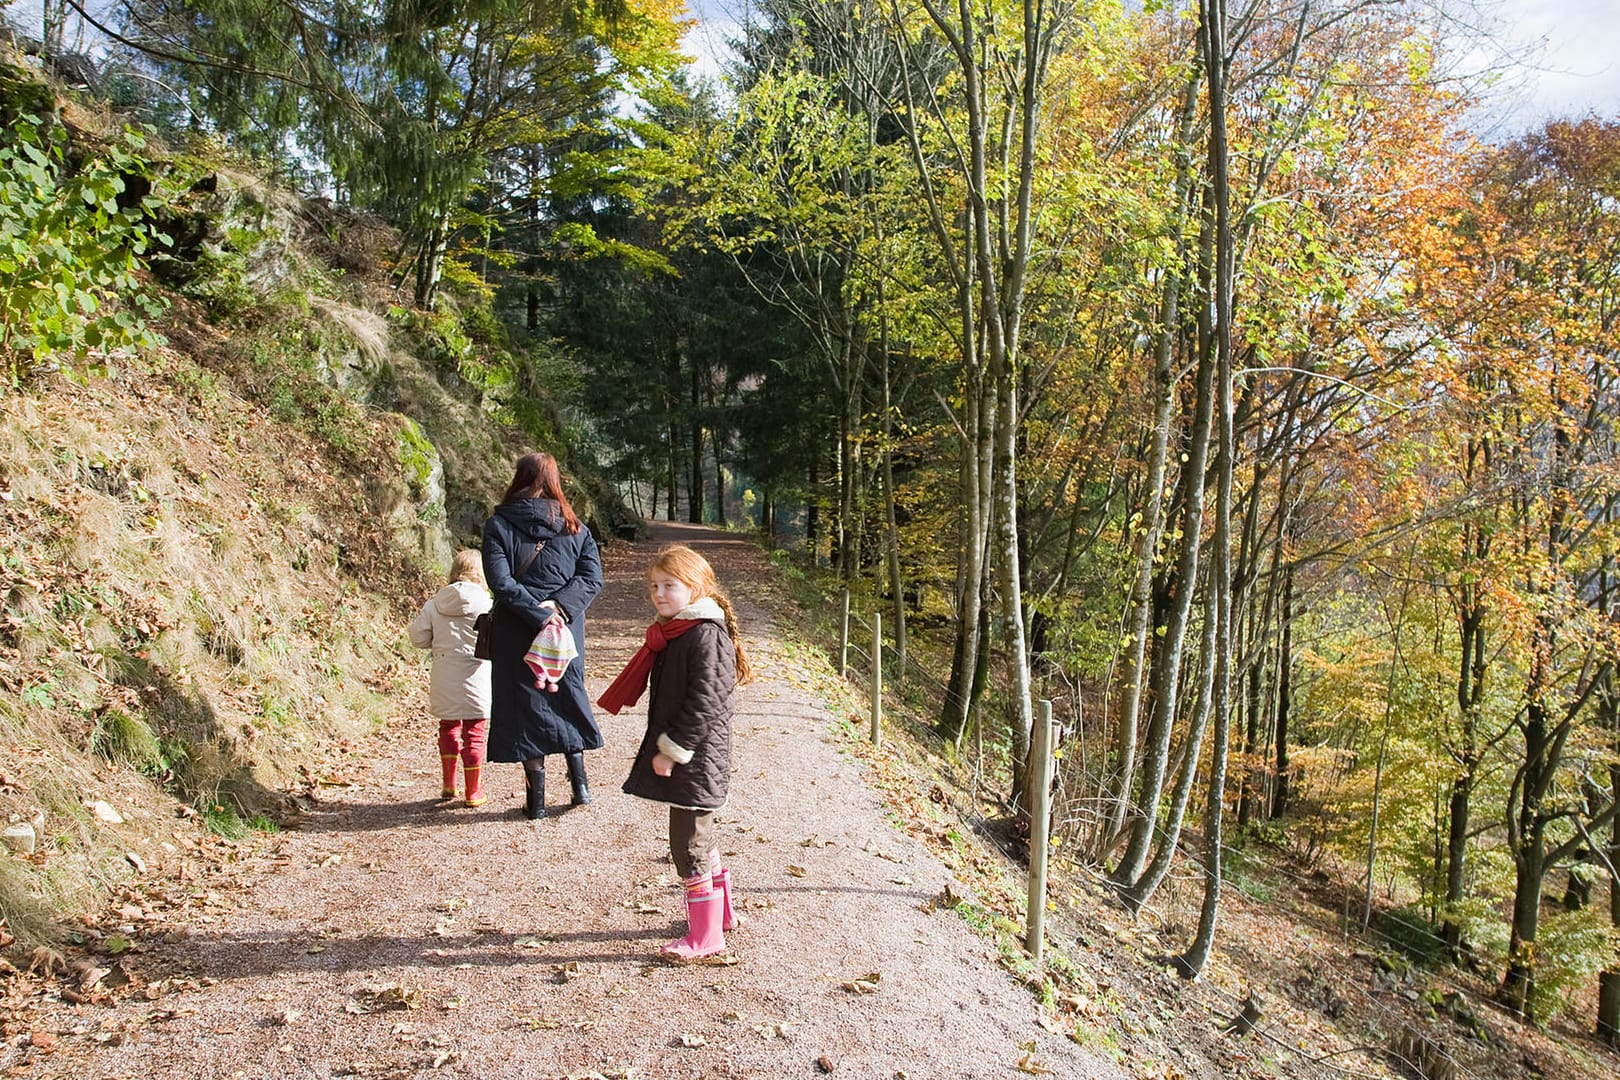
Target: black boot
[576,778]
[534,791]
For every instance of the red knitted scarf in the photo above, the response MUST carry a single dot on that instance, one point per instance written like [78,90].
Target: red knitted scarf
[632,681]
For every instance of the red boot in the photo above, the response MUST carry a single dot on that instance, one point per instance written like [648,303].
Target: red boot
[449,750]
[703,914]
[475,734]
[475,785]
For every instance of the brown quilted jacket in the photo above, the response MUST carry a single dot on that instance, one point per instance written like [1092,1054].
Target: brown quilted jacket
[690,706]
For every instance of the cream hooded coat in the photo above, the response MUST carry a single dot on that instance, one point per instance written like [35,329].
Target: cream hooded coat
[460,686]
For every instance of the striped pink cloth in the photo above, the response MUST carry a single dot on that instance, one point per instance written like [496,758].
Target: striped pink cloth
[551,653]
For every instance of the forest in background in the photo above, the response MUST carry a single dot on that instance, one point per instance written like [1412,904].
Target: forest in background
[1190,366]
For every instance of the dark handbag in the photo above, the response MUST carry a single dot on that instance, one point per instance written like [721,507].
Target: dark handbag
[482,647]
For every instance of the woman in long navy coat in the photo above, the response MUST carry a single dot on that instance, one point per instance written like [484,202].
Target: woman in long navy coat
[541,563]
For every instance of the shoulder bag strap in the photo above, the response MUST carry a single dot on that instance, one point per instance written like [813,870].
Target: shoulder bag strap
[540,545]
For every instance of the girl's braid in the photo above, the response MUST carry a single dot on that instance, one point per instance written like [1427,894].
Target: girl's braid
[745,671]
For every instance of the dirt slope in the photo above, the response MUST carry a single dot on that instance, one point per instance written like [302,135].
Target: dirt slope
[389,937]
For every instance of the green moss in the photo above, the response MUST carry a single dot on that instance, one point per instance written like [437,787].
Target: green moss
[416,457]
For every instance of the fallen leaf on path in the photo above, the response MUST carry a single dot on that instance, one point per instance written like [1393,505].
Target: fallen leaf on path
[797,871]
[1079,1003]
[689,1040]
[287,1017]
[873,847]
[45,961]
[779,1030]
[825,1063]
[382,997]
[900,879]
[532,942]
[540,1022]
[1034,1067]
[865,984]
[815,841]
[569,971]
[444,1057]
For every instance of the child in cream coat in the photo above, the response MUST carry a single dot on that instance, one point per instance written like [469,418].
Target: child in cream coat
[459,694]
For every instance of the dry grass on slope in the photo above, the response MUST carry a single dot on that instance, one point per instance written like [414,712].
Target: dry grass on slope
[189,588]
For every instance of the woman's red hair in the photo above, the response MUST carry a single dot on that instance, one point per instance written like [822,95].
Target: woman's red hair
[536,477]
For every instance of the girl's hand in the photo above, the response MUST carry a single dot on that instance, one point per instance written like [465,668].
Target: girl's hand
[551,607]
[663,764]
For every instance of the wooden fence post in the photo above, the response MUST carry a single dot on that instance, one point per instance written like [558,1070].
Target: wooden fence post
[1039,827]
[877,678]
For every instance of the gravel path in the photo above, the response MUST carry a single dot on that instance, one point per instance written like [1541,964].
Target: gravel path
[391,937]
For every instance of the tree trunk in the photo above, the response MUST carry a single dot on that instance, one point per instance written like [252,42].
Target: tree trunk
[812,510]
[1517,991]
[672,397]
[843,522]
[1608,1018]
[1471,671]
[717,441]
[1213,39]
[1529,858]
[1253,761]
[1285,667]
[891,527]
[1123,776]
[694,472]
[1137,895]
[973,539]
[428,263]
[1462,789]
[1172,643]
[1396,624]
[531,264]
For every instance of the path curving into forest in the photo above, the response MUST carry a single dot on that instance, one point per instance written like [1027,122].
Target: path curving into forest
[390,937]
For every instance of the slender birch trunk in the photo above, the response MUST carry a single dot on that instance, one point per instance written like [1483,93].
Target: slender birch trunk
[1213,38]
[1123,776]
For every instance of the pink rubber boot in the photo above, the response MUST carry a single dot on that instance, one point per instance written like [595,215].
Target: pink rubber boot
[722,881]
[703,914]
